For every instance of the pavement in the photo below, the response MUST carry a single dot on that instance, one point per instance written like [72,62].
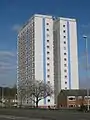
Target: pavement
[26,114]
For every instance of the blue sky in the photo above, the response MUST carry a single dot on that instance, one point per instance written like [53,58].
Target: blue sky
[13,13]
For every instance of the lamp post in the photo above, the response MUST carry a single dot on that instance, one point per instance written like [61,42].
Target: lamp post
[87,64]
[16,98]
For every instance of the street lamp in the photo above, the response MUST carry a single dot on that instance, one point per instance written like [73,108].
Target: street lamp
[16,98]
[87,64]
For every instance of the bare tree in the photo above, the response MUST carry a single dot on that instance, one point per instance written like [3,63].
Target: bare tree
[35,90]
[38,90]
[21,92]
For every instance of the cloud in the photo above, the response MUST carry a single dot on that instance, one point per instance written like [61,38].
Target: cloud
[7,62]
[7,53]
[16,27]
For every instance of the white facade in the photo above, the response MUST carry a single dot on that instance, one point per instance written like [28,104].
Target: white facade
[44,61]
[66,55]
[47,50]
[38,34]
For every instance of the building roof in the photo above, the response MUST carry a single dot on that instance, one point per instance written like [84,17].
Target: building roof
[80,92]
[67,19]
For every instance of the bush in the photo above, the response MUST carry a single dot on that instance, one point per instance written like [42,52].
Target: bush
[83,108]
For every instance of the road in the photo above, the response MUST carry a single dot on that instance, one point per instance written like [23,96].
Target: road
[25,114]
[9,117]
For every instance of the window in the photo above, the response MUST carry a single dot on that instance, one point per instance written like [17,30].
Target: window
[64,36]
[48,76]
[64,48]
[63,25]
[48,58]
[61,105]
[65,76]
[47,46]
[71,98]
[49,82]
[65,53]
[48,70]
[48,64]
[65,82]
[47,40]
[33,64]
[47,35]
[27,101]
[48,52]
[70,105]
[79,97]
[33,59]
[47,29]
[64,31]
[65,59]
[64,42]
[47,23]
[65,70]
[48,100]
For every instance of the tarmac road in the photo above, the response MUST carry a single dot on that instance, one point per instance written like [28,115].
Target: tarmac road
[25,114]
[9,117]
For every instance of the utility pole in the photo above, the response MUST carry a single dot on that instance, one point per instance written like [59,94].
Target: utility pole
[87,64]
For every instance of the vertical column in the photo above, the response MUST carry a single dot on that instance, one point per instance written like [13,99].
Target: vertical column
[69,64]
[44,55]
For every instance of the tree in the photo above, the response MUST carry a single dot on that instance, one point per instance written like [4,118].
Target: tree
[21,92]
[38,90]
[8,94]
[35,90]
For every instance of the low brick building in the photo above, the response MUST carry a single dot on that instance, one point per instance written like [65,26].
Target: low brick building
[72,98]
